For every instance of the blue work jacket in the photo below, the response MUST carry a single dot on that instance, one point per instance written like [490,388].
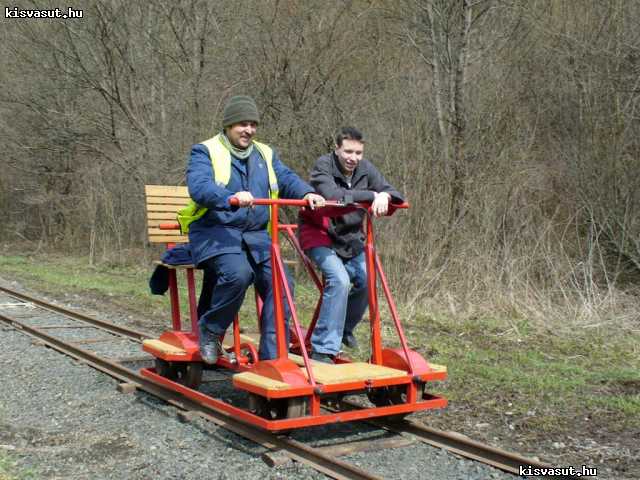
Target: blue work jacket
[224,228]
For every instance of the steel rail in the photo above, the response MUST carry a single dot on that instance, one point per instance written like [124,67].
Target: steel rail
[460,445]
[298,451]
[110,327]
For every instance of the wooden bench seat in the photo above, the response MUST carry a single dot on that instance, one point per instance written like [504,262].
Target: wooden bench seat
[163,203]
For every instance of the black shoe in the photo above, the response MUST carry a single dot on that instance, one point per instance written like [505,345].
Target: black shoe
[349,341]
[210,346]
[322,357]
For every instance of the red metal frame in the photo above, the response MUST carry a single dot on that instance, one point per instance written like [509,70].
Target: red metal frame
[429,402]
[282,368]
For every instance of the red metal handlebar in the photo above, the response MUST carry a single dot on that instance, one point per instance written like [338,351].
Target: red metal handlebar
[233,201]
[169,226]
[285,201]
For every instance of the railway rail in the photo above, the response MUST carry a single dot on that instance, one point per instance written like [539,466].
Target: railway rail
[57,319]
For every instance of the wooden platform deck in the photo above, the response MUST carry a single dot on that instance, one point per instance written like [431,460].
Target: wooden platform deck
[163,347]
[324,373]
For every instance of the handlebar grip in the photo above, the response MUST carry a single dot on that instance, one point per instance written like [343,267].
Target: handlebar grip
[169,226]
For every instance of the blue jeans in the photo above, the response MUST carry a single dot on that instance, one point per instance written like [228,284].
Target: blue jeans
[343,305]
[228,276]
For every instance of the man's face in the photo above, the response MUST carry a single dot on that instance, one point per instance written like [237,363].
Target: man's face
[241,134]
[349,155]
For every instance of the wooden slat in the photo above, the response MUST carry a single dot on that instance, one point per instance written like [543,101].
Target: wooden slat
[437,368]
[163,208]
[167,200]
[352,372]
[166,191]
[163,202]
[168,239]
[328,374]
[160,216]
[157,231]
[163,347]
[260,381]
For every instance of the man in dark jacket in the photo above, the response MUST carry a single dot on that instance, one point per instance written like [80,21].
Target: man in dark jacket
[336,244]
[232,244]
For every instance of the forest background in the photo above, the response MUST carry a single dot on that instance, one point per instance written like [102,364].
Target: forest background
[511,125]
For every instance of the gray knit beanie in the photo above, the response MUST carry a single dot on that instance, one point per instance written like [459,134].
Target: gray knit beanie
[240,108]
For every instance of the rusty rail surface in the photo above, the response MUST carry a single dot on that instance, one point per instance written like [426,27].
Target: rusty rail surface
[110,327]
[464,446]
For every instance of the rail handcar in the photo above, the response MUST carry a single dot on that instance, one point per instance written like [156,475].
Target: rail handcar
[290,391]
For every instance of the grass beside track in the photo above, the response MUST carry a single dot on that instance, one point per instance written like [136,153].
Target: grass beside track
[535,382]
[5,465]
[539,382]
[9,469]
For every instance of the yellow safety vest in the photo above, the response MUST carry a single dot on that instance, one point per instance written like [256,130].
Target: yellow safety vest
[221,164]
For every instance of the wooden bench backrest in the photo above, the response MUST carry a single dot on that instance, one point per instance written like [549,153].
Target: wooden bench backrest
[163,202]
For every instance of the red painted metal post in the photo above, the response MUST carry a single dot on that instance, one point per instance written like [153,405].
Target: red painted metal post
[374,311]
[282,347]
[412,393]
[236,337]
[193,306]
[314,408]
[296,324]
[394,313]
[174,299]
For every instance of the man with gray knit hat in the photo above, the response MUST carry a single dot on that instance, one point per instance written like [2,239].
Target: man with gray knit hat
[232,244]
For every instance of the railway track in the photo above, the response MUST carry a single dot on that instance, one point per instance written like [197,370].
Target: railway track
[110,348]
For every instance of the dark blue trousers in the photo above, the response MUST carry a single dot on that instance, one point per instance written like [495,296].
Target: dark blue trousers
[226,280]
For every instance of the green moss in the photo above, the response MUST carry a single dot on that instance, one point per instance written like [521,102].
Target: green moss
[10,471]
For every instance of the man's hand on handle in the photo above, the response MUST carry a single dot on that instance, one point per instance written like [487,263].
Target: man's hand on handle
[245,199]
[380,205]
[315,200]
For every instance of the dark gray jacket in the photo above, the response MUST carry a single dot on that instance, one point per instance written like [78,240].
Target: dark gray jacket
[329,181]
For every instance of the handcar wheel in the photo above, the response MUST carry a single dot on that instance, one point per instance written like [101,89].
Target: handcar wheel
[270,409]
[257,405]
[189,374]
[297,407]
[249,354]
[166,369]
[277,408]
[387,396]
[334,401]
